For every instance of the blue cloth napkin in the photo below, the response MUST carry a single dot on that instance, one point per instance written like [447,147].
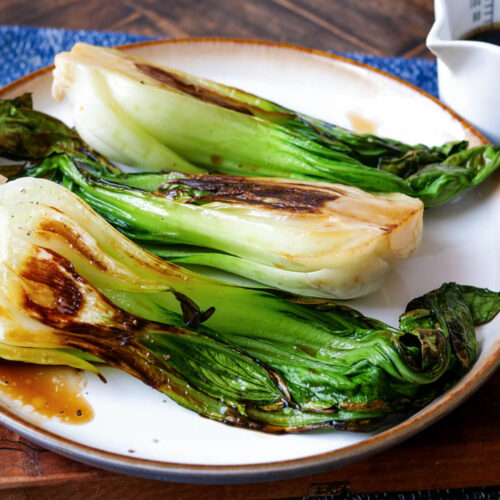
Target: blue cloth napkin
[24,49]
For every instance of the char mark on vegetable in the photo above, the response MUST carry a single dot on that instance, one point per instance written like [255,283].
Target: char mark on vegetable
[57,274]
[74,239]
[204,94]
[56,295]
[232,189]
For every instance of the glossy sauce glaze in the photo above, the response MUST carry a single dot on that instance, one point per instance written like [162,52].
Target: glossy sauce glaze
[361,125]
[52,391]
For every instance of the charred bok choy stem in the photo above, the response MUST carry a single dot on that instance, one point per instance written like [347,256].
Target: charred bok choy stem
[253,358]
[313,239]
[155,118]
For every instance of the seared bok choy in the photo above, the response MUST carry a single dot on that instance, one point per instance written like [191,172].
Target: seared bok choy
[253,358]
[156,118]
[313,239]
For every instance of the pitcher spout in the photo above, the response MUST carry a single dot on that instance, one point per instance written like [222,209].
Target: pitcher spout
[467,68]
[440,38]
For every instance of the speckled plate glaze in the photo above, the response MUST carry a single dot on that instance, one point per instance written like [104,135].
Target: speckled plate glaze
[461,243]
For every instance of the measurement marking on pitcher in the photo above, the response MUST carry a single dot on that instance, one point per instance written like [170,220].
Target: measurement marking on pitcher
[488,11]
[482,12]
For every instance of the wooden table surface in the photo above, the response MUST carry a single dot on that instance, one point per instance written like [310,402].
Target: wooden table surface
[463,450]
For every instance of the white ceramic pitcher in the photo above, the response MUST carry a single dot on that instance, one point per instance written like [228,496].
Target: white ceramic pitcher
[468,71]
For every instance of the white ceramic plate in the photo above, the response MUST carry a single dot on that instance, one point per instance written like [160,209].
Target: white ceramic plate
[461,243]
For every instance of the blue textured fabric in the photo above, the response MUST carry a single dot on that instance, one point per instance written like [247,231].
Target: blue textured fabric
[24,49]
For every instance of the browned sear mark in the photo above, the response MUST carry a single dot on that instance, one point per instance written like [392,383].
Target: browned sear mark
[273,195]
[58,275]
[74,239]
[368,406]
[52,272]
[206,95]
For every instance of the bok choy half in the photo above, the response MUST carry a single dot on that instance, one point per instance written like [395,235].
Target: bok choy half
[155,118]
[73,290]
[309,238]
[313,239]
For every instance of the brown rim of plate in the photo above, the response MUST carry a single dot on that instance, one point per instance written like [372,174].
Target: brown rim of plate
[271,471]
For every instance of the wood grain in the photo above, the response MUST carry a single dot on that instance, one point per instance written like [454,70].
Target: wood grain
[382,27]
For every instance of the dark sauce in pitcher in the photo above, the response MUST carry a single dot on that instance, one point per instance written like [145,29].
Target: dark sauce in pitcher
[488,34]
